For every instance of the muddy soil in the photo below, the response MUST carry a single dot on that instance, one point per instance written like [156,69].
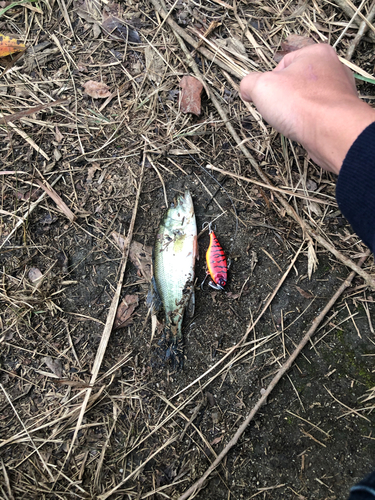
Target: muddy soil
[151,431]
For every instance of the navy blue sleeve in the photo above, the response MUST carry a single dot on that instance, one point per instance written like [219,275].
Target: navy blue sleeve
[355,189]
[364,490]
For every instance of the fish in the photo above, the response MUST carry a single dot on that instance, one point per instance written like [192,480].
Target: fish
[216,263]
[175,252]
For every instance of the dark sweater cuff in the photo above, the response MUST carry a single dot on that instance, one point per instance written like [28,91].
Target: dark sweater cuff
[355,189]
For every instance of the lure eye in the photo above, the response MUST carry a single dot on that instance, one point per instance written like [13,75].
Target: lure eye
[221,282]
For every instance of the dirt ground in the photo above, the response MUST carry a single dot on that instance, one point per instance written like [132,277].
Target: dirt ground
[149,431]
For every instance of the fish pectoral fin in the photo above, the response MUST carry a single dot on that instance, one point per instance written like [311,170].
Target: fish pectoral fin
[191,304]
[153,298]
[195,247]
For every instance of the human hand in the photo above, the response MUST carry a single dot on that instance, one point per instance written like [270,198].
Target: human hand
[311,98]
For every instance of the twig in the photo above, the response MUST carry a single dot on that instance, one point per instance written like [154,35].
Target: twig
[363,28]
[286,366]
[161,180]
[31,111]
[57,199]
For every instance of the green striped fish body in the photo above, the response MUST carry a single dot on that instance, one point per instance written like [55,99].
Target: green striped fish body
[174,257]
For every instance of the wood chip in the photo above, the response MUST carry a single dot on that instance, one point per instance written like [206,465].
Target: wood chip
[190,95]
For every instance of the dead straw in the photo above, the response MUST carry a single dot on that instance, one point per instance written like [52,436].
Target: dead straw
[111,316]
[192,491]
[363,28]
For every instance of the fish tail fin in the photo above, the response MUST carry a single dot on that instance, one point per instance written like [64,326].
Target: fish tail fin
[171,347]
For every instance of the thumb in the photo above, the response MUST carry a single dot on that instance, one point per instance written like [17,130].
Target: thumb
[248,85]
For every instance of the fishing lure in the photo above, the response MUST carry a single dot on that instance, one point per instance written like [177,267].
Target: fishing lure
[216,263]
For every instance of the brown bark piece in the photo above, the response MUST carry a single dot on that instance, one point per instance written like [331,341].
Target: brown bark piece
[190,95]
[292,43]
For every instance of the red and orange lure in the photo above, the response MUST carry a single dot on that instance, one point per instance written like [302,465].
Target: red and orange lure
[216,263]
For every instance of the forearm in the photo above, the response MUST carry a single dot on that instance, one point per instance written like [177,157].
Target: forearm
[335,128]
[355,190]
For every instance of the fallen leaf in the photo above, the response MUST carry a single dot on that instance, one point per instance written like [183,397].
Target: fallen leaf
[314,207]
[292,43]
[91,172]
[305,294]
[96,31]
[311,185]
[58,135]
[190,95]
[140,255]
[28,195]
[125,310]
[117,29]
[154,65]
[35,274]
[217,440]
[10,45]
[233,46]
[55,365]
[97,90]
[89,10]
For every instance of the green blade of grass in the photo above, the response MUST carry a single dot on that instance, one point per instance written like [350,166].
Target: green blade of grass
[364,78]
[15,4]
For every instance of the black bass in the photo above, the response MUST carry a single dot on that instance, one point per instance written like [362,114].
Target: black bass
[175,251]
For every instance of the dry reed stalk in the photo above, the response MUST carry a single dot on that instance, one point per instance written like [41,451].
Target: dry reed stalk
[30,111]
[193,490]
[107,494]
[57,199]
[110,318]
[363,28]
[285,191]
[28,139]
[207,53]
[355,68]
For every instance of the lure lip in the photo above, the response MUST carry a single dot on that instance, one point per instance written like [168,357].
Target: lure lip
[215,286]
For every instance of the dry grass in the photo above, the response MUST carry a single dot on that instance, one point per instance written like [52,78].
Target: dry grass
[87,412]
